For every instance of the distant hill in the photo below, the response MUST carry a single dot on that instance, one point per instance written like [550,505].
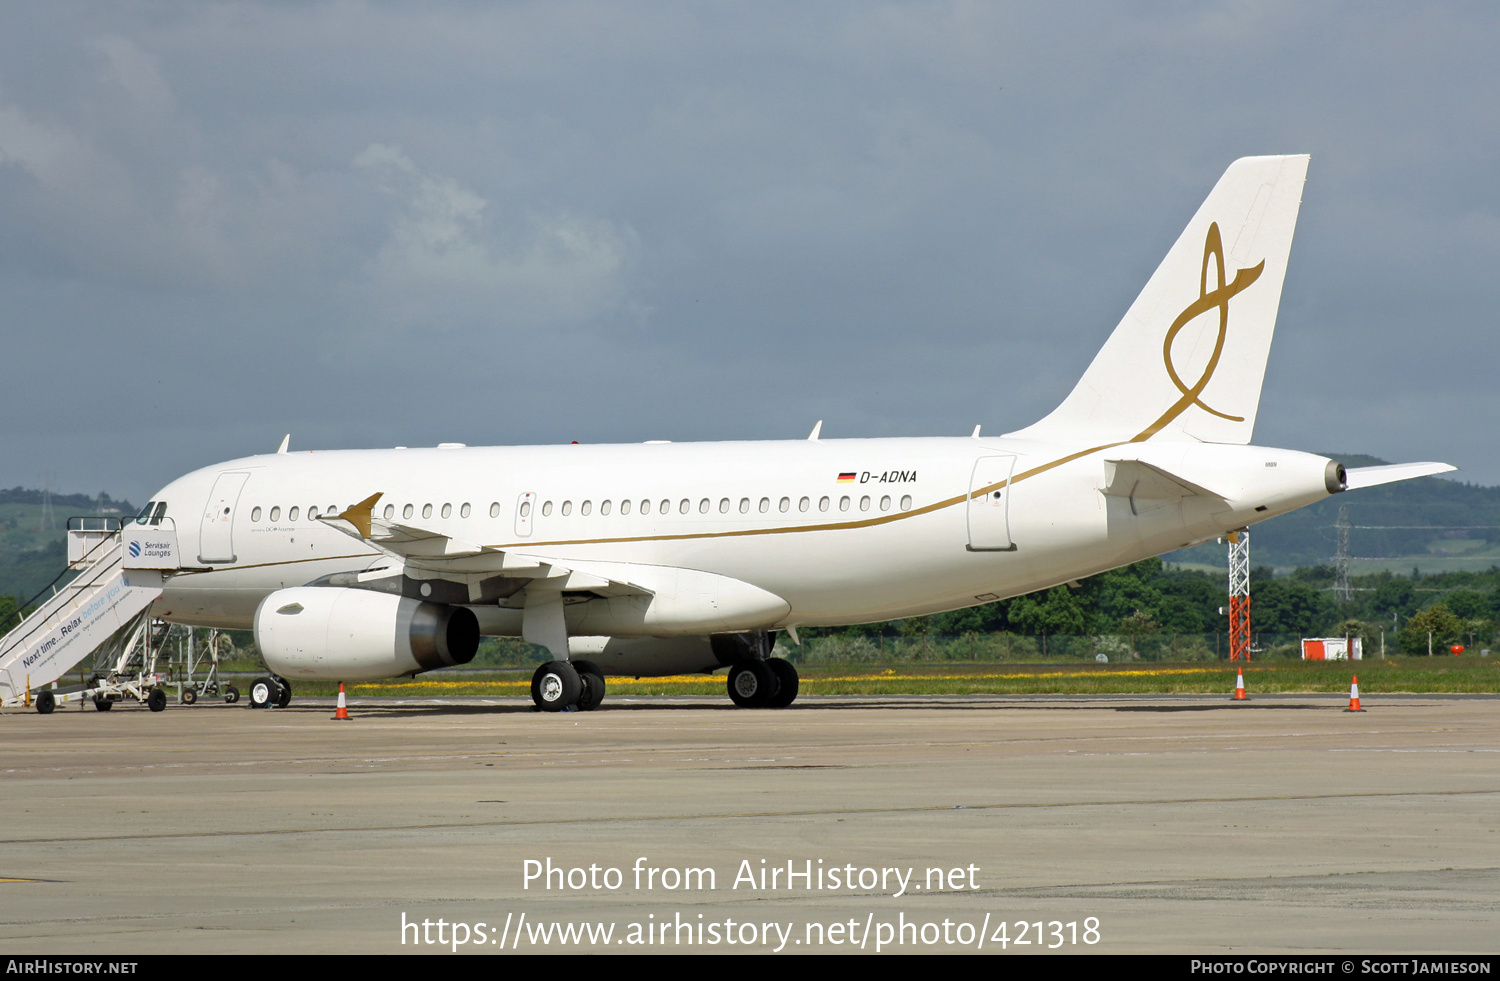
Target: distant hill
[33,549]
[1431,522]
[72,503]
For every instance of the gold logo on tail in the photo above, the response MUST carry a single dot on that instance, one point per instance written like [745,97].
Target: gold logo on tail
[1219,296]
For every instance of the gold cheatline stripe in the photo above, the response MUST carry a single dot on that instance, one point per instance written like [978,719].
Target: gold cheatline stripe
[836,526]
[267,565]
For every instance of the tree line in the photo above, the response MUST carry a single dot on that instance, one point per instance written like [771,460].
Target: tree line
[1152,598]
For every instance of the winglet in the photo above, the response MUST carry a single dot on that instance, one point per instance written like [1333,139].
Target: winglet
[285,442]
[816,430]
[359,515]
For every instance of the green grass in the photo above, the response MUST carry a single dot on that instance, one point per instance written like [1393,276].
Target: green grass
[1416,675]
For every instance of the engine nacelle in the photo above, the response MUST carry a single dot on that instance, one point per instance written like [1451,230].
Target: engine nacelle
[343,634]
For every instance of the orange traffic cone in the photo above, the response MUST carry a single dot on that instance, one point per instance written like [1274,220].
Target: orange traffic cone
[1239,688]
[1354,696]
[342,713]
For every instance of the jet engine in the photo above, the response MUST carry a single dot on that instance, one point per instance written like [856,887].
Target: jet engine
[344,634]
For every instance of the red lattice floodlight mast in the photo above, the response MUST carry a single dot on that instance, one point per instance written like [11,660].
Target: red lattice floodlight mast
[1239,595]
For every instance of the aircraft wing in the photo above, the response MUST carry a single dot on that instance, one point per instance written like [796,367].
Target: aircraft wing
[435,555]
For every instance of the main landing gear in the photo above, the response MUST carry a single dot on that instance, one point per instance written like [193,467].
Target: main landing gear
[560,685]
[769,683]
[756,679]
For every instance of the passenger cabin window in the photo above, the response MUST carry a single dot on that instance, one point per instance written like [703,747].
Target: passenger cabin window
[802,505]
[312,512]
[765,505]
[495,510]
[906,502]
[427,510]
[786,504]
[276,513]
[255,514]
[625,507]
[685,505]
[390,512]
[586,507]
[463,512]
[292,514]
[447,510]
[822,504]
[567,508]
[744,505]
[546,508]
[645,507]
[604,508]
[407,511]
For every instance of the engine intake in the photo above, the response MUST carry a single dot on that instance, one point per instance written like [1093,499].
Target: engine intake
[343,634]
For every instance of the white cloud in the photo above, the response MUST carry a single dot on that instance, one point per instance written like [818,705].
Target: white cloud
[447,263]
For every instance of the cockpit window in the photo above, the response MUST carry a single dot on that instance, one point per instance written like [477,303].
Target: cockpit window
[145,514]
[161,512]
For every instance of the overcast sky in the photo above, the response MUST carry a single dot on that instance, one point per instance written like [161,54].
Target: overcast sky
[374,224]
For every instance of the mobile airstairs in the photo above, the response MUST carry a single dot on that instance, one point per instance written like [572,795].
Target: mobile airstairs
[103,611]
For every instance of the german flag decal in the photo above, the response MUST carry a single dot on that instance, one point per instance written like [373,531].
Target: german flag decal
[846,478]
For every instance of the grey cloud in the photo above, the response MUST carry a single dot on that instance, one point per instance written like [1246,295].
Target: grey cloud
[712,221]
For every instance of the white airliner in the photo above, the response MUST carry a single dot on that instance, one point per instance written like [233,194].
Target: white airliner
[662,558]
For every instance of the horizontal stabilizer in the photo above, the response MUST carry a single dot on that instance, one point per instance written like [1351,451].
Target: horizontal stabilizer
[1135,479]
[1358,477]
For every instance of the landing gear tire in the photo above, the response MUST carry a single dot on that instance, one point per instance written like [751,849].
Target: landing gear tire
[231,695]
[189,696]
[45,702]
[752,684]
[102,704]
[593,685]
[787,683]
[284,696]
[157,700]
[263,693]
[555,686]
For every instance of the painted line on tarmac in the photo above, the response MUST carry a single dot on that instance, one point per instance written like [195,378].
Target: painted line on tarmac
[748,815]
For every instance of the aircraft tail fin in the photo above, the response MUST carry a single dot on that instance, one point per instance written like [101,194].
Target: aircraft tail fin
[1187,361]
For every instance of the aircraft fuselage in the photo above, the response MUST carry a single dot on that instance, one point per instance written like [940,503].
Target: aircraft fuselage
[840,531]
